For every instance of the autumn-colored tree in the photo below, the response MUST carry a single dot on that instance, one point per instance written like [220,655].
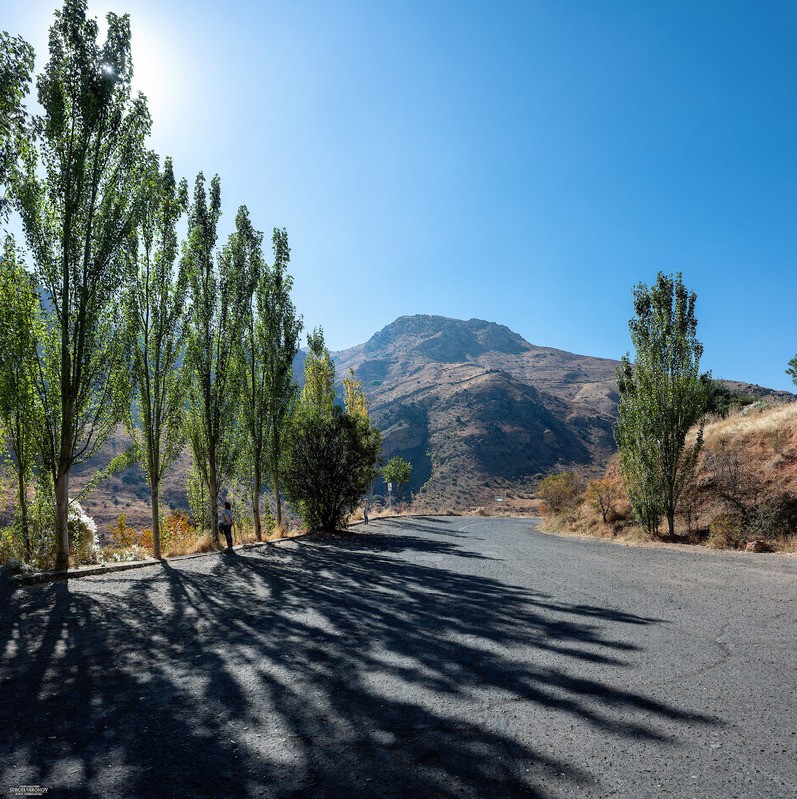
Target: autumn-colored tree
[602,495]
[559,491]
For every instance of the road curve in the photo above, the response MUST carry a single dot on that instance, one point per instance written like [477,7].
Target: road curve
[419,657]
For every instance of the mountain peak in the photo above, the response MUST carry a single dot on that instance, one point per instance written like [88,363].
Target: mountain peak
[445,340]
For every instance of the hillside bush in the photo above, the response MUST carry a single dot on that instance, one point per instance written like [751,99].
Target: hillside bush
[602,496]
[725,531]
[559,492]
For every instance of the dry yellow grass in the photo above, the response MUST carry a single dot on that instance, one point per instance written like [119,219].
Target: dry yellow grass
[754,422]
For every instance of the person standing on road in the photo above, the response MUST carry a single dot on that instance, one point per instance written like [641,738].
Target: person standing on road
[365,511]
[225,524]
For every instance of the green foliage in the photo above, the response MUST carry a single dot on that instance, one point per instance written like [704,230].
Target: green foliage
[198,500]
[331,455]
[560,492]
[20,415]
[722,399]
[155,315]
[16,68]
[270,343]
[77,196]
[661,396]
[319,373]
[330,462]
[220,294]
[397,471]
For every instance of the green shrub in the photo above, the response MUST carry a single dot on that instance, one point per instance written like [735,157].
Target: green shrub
[330,461]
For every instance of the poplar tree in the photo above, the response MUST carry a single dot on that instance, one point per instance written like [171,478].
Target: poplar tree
[19,305]
[156,309]
[271,341]
[319,374]
[220,288]
[662,395]
[77,199]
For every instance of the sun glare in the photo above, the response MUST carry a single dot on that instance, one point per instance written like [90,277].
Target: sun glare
[157,69]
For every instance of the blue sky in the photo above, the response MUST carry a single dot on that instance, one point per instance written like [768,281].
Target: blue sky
[525,163]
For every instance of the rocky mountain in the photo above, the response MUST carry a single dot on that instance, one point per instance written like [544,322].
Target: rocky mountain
[478,410]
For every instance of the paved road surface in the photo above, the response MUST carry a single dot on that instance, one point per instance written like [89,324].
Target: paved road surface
[435,658]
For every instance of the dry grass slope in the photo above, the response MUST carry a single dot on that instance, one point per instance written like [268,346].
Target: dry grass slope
[744,495]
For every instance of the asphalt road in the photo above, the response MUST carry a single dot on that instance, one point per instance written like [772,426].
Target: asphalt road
[434,658]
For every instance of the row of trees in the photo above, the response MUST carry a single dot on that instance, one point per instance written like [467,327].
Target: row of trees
[120,322]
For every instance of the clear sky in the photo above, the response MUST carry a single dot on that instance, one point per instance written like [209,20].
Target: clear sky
[521,162]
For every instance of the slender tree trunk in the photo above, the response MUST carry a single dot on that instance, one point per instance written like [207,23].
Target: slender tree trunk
[156,522]
[213,491]
[62,521]
[671,521]
[256,504]
[23,512]
[275,479]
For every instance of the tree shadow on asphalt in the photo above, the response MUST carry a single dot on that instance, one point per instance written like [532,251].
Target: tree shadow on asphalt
[330,670]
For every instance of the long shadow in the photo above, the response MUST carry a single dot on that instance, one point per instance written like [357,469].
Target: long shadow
[335,669]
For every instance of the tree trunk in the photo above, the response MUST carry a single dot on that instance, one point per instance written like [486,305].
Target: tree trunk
[671,522]
[23,513]
[275,479]
[213,491]
[156,523]
[256,504]
[62,521]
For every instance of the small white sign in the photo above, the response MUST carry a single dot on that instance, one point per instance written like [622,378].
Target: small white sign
[499,499]
[390,488]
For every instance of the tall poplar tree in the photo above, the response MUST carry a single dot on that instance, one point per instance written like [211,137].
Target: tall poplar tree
[281,328]
[77,199]
[156,309]
[19,413]
[220,288]
[662,395]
